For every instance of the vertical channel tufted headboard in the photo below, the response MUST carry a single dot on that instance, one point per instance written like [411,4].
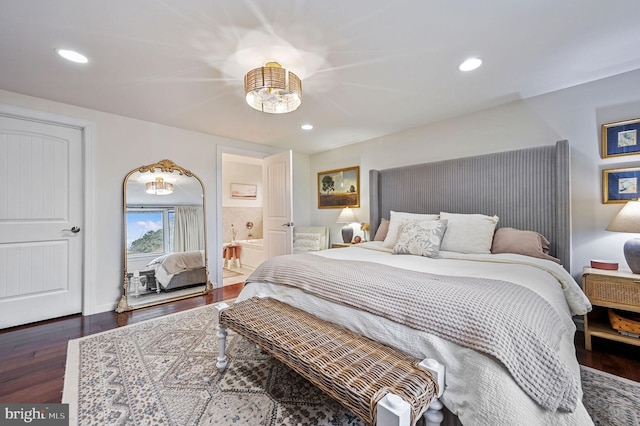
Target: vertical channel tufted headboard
[528,189]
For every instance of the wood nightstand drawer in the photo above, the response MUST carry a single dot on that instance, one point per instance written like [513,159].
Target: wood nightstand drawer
[612,289]
[619,290]
[340,245]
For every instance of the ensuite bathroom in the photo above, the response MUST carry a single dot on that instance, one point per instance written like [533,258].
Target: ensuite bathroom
[243,248]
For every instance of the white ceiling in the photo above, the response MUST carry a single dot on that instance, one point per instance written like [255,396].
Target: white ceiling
[368,67]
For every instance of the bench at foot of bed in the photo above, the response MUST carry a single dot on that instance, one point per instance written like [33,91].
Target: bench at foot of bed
[380,384]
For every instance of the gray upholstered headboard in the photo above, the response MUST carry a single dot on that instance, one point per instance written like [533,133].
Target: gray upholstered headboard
[528,189]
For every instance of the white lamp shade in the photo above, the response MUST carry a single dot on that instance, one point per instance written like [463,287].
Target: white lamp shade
[628,219]
[347,216]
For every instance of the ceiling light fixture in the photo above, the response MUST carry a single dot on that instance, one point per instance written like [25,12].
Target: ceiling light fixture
[306,127]
[72,55]
[470,64]
[273,89]
[159,187]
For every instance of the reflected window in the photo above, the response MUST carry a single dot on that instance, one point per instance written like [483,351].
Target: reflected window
[149,231]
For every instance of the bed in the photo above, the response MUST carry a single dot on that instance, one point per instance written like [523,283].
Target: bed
[502,323]
[180,269]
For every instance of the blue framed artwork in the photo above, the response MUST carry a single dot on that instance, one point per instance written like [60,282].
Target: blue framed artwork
[620,185]
[620,138]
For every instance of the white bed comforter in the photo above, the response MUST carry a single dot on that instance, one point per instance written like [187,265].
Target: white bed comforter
[479,390]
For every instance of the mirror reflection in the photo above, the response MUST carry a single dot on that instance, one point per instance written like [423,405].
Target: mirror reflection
[165,246]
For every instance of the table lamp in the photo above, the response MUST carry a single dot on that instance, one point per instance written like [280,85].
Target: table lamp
[347,216]
[628,220]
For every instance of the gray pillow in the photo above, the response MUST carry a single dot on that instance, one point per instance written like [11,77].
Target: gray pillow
[420,237]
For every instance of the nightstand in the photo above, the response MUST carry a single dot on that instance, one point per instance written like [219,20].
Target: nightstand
[339,245]
[609,289]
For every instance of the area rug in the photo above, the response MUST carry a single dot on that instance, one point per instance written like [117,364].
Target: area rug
[611,400]
[162,371]
[228,273]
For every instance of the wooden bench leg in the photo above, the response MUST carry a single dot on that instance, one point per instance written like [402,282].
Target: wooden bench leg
[222,338]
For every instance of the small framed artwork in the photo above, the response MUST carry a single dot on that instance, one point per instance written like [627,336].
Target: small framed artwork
[244,191]
[339,188]
[620,138]
[620,185]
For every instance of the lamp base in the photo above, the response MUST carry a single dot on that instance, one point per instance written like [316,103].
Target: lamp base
[632,254]
[347,233]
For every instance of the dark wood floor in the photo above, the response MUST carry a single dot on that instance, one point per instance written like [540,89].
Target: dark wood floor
[32,357]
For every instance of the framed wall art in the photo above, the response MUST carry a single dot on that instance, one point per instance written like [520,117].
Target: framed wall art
[339,188]
[620,185]
[244,191]
[620,138]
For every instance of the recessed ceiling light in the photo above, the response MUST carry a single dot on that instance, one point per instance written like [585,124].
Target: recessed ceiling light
[72,55]
[306,127]
[470,64]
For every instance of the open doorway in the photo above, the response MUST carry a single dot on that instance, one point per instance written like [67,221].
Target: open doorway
[242,217]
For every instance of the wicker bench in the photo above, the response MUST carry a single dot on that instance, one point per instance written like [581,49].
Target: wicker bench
[378,383]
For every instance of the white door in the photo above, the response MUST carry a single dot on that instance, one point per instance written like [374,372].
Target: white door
[278,204]
[41,213]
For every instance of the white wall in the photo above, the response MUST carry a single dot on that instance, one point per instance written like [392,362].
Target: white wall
[234,172]
[121,144]
[303,199]
[575,114]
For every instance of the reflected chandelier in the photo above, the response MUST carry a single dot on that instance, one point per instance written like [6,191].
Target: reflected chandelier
[159,187]
[273,89]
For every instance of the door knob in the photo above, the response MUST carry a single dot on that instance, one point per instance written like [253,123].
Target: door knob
[288,224]
[75,230]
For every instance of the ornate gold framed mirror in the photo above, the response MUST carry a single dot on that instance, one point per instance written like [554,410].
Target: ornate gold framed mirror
[165,247]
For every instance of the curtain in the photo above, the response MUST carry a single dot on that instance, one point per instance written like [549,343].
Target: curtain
[188,228]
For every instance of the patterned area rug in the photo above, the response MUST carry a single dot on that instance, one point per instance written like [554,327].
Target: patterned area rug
[611,400]
[162,371]
[228,273]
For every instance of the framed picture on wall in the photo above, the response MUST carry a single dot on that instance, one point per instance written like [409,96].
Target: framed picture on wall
[621,138]
[244,191]
[620,185]
[339,188]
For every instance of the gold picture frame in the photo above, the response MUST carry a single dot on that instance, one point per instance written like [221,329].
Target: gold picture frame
[620,138]
[620,185]
[339,188]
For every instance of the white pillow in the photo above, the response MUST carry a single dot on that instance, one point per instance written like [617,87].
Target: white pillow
[311,236]
[306,245]
[396,220]
[468,233]
[420,237]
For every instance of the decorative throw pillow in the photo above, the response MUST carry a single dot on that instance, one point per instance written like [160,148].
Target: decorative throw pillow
[396,220]
[468,233]
[312,236]
[382,230]
[306,245]
[420,237]
[528,243]
[306,241]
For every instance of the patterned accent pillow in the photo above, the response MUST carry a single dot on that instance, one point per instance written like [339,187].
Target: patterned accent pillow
[420,237]
[306,241]
[395,220]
